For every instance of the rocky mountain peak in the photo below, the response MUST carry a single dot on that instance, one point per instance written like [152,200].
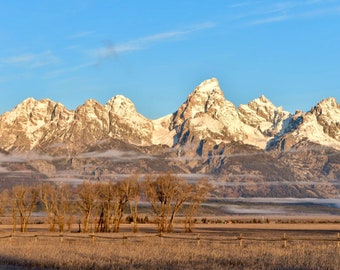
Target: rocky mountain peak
[91,109]
[327,104]
[327,114]
[208,87]
[207,98]
[121,105]
[206,114]
[263,107]
[30,111]
[30,103]
[263,99]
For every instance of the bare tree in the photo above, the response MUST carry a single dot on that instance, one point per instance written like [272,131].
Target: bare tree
[56,199]
[4,197]
[25,198]
[130,187]
[48,198]
[62,205]
[112,203]
[198,194]
[121,199]
[166,193]
[87,195]
[105,193]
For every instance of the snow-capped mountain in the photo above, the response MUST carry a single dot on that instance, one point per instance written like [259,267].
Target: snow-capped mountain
[205,115]
[207,134]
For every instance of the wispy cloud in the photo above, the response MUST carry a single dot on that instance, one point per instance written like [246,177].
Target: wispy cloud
[268,12]
[69,69]
[142,43]
[81,35]
[109,50]
[30,60]
[25,58]
[270,20]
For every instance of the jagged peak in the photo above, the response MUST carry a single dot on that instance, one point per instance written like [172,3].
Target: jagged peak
[208,86]
[31,104]
[91,102]
[208,89]
[264,99]
[327,108]
[328,103]
[28,100]
[120,105]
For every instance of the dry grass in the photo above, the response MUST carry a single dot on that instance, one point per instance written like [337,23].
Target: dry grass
[145,251]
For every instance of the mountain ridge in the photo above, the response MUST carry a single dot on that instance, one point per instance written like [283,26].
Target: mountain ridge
[254,143]
[205,115]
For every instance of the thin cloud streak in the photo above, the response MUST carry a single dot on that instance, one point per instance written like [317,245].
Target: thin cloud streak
[19,59]
[270,20]
[146,42]
[81,35]
[265,12]
[72,69]
[109,50]
[31,60]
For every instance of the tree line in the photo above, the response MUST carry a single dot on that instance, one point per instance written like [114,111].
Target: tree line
[105,204]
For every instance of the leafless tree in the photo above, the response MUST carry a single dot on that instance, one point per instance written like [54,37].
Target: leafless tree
[4,197]
[112,200]
[87,195]
[121,199]
[56,199]
[62,205]
[25,198]
[198,194]
[130,187]
[166,193]
[105,193]
[48,198]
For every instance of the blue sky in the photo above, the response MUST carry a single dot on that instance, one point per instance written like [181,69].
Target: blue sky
[157,52]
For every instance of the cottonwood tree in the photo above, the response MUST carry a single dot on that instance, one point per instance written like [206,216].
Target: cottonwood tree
[56,199]
[48,196]
[62,206]
[4,197]
[198,194]
[130,187]
[25,199]
[166,193]
[112,200]
[120,201]
[87,195]
[105,195]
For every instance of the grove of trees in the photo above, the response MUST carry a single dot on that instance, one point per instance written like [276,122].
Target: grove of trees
[105,204]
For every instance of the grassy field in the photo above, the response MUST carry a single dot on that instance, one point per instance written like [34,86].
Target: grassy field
[218,247]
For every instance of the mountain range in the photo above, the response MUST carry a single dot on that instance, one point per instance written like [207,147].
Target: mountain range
[256,149]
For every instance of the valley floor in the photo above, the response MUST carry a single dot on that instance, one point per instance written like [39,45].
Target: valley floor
[210,246]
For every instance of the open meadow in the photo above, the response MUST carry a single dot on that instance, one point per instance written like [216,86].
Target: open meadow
[210,246]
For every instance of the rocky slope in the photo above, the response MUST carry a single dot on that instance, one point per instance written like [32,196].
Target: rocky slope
[257,149]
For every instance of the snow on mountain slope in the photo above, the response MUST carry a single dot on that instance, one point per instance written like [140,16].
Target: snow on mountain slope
[263,121]
[321,124]
[126,123]
[24,126]
[206,113]
[327,113]
[205,117]
[161,133]
[262,114]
